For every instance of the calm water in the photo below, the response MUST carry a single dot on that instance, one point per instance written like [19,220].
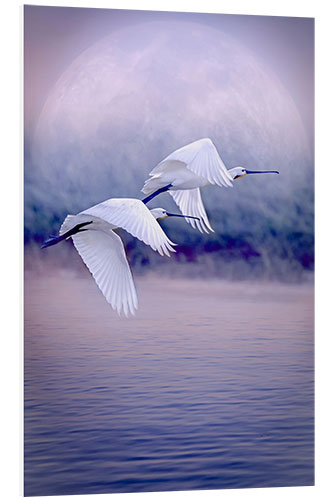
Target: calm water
[209,387]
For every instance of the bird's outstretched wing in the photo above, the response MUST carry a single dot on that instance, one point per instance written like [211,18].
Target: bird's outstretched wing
[202,158]
[103,253]
[190,203]
[133,216]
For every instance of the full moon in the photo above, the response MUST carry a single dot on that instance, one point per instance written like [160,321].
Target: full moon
[133,97]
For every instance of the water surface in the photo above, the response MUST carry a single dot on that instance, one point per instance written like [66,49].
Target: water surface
[210,386]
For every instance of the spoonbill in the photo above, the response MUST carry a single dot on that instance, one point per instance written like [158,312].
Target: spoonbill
[102,250]
[185,171]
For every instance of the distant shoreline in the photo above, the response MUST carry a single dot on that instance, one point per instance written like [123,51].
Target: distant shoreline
[63,259]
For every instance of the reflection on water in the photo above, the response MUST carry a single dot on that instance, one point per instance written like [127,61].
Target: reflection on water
[210,386]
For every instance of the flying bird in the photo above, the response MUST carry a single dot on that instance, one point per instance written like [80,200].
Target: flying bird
[102,250]
[185,171]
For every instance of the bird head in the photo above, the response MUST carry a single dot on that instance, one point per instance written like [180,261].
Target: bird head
[238,172]
[160,213]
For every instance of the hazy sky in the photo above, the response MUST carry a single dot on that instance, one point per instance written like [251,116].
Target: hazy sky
[109,93]
[55,36]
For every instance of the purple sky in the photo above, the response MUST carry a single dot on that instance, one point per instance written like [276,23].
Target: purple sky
[55,36]
[109,93]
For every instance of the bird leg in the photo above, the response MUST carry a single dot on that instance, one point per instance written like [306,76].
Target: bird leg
[159,191]
[56,239]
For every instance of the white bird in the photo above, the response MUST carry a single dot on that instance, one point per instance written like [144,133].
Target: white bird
[102,250]
[185,171]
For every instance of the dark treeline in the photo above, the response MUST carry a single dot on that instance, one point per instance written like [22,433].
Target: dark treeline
[255,236]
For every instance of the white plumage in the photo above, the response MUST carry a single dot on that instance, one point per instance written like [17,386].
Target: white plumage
[202,159]
[187,169]
[190,202]
[102,249]
[182,174]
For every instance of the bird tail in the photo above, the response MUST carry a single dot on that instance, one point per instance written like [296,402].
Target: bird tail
[152,184]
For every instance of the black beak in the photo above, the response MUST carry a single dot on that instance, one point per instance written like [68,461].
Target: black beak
[180,215]
[262,172]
